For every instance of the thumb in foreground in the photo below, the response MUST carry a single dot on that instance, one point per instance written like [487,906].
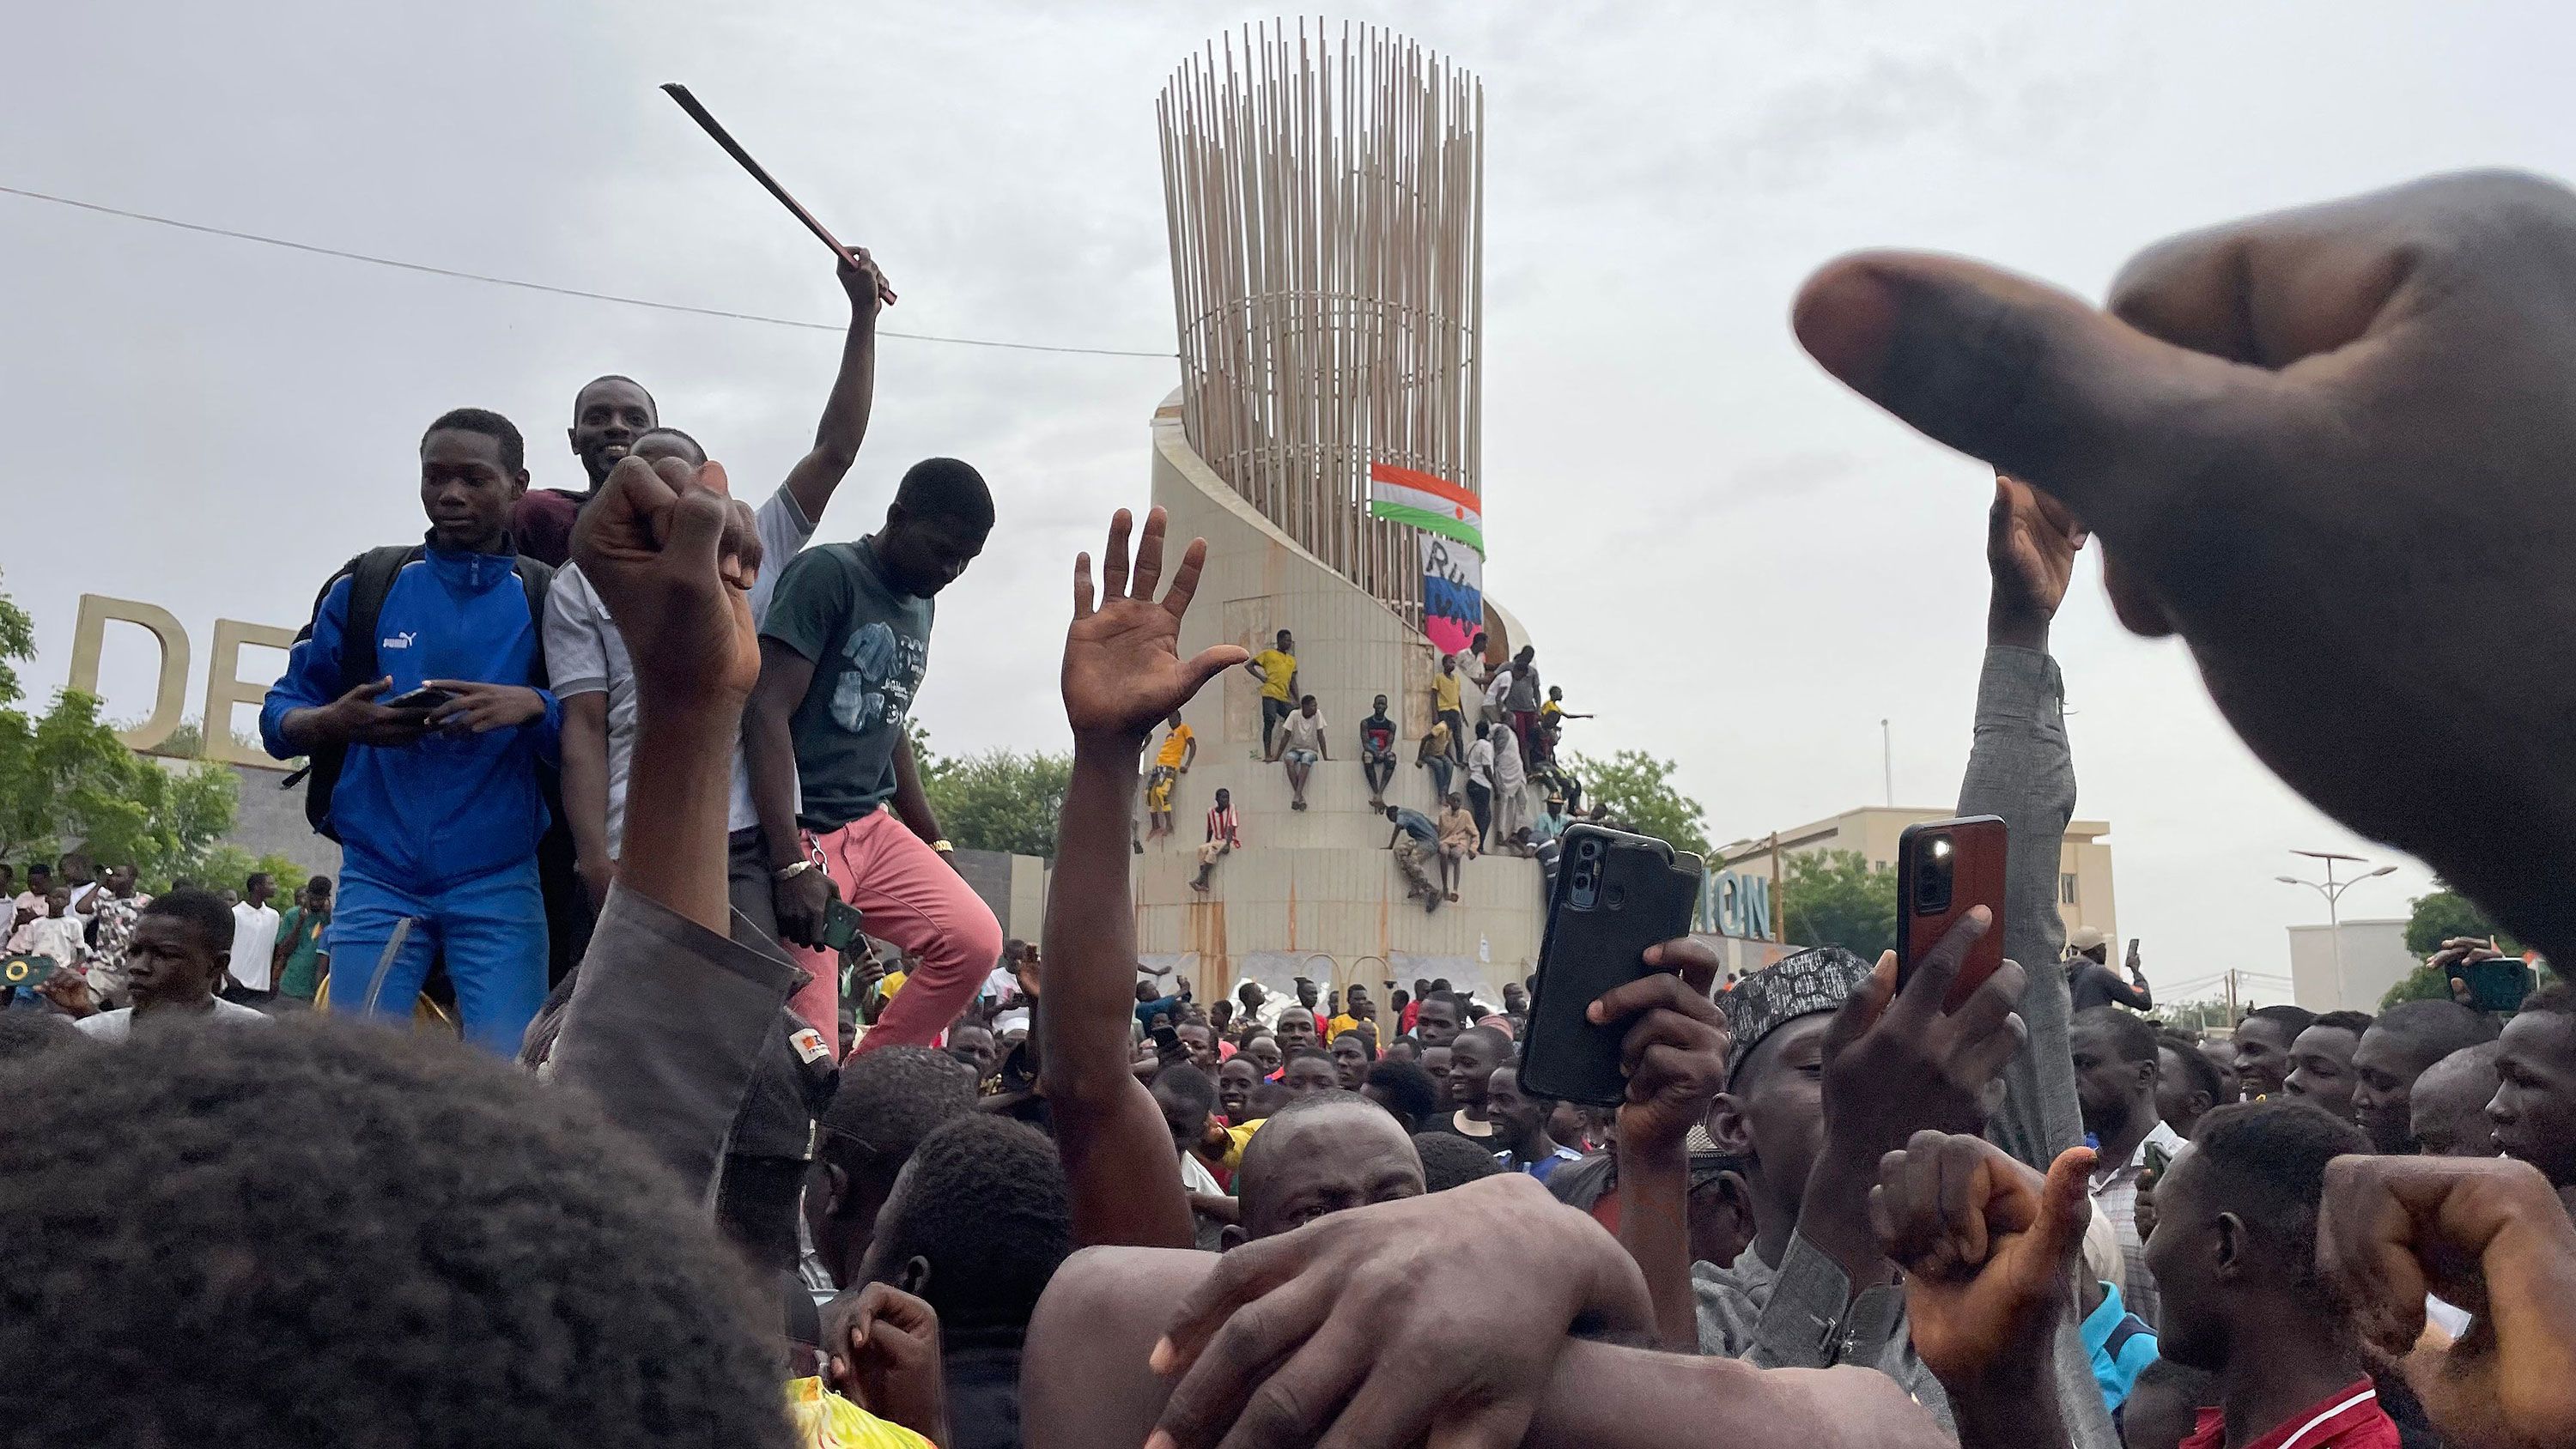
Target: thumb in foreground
[2032,379]
[2065,1204]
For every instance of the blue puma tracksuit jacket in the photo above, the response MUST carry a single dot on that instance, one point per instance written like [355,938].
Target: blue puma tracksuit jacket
[446,809]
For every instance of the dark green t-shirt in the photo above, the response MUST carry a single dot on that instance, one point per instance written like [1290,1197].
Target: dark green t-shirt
[870,646]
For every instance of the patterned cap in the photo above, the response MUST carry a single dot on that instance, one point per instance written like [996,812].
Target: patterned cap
[1820,978]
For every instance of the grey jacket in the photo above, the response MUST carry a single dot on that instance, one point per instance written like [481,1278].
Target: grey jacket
[1803,1314]
[667,1027]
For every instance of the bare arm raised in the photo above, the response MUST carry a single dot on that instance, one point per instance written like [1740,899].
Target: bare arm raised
[1123,672]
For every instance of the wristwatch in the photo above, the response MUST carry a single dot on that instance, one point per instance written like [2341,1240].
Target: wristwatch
[790,872]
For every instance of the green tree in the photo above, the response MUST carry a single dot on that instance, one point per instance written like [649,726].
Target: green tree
[2442,915]
[226,866]
[1837,898]
[2191,1018]
[1639,790]
[2421,984]
[999,800]
[66,780]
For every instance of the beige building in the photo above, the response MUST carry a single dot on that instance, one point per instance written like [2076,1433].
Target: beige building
[2083,870]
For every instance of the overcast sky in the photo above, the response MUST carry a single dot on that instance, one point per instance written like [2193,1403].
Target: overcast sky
[1733,560]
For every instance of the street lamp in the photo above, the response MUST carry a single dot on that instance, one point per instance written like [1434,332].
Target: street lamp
[2333,890]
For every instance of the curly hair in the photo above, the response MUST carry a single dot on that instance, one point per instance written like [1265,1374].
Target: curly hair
[330,1234]
[2267,1161]
[890,1099]
[26,1033]
[984,1203]
[2204,1076]
[1449,1160]
[1409,1092]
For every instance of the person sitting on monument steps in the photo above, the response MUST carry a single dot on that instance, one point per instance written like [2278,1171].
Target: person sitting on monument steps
[1377,752]
[414,690]
[1224,837]
[1301,741]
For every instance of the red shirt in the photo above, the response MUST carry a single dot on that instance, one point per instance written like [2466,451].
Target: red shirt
[2350,1418]
[541,524]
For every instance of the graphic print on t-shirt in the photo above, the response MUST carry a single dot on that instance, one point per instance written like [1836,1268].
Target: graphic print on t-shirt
[875,690]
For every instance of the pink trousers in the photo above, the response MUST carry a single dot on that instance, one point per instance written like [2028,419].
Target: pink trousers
[906,893]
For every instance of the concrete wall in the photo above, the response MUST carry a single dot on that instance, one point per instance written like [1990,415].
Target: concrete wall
[271,820]
[1316,886]
[1014,886]
[2374,958]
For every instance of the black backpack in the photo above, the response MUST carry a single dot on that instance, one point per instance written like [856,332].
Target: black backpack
[371,577]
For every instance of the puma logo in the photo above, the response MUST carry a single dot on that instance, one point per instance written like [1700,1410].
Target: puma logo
[399,641]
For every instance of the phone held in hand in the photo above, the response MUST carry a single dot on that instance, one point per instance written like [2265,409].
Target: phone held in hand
[2497,985]
[1945,868]
[2158,1160]
[840,926]
[421,698]
[1616,894]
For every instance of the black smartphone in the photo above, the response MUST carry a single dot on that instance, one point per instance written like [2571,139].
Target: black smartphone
[1167,1043]
[2497,985]
[1616,894]
[840,925]
[421,698]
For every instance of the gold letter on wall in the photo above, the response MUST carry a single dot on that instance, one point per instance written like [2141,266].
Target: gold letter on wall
[224,689]
[171,697]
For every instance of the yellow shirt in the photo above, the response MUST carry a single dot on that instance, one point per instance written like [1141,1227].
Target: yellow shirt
[1235,1138]
[1175,746]
[1277,672]
[1444,691]
[1342,1023]
[825,1420]
[893,983]
[1550,710]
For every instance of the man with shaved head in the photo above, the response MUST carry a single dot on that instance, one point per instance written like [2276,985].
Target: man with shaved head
[1322,1153]
[2447,1110]
[2399,1046]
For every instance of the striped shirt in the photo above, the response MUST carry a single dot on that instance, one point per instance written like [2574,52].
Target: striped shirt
[2349,1419]
[2116,1193]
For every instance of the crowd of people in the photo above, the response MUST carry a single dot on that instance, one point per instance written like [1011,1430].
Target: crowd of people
[746,1174]
[1503,789]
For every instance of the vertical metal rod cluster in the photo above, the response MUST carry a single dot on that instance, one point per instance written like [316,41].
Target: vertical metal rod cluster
[1326,209]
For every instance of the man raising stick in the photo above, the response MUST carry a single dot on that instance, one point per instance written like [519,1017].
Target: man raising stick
[591,671]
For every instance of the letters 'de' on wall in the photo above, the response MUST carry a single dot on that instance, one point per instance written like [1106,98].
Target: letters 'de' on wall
[225,688]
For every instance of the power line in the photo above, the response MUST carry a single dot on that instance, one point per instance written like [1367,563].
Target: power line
[426,269]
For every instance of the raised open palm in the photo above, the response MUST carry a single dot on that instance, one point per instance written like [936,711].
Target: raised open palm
[1123,671]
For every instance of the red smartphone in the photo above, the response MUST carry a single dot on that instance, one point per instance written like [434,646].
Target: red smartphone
[1944,868]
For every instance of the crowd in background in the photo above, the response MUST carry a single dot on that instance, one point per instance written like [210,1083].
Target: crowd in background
[761,1133]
